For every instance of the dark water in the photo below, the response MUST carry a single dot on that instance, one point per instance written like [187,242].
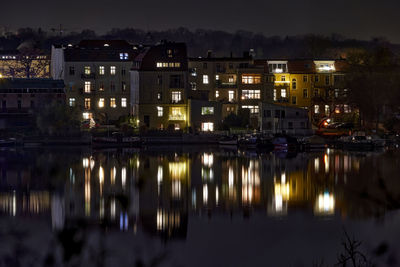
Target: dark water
[196,207]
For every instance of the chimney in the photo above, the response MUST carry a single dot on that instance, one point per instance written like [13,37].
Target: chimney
[209,54]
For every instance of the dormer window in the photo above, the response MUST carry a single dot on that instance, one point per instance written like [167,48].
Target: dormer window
[123,56]
[277,66]
[325,66]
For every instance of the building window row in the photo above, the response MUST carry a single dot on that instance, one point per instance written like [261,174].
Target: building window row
[168,64]
[88,86]
[88,70]
[101,102]
[251,79]
[251,94]
[253,109]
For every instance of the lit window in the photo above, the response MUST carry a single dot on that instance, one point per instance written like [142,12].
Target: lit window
[176,96]
[346,108]
[177,114]
[87,103]
[123,102]
[275,95]
[207,110]
[159,64]
[113,104]
[316,109]
[251,94]
[231,96]
[87,70]
[327,110]
[283,93]
[160,111]
[205,79]
[193,85]
[216,77]
[72,102]
[251,79]
[216,94]
[87,86]
[230,79]
[101,70]
[177,64]
[86,115]
[159,96]
[101,103]
[207,126]
[113,70]
[253,109]
[123,56]
[193,72]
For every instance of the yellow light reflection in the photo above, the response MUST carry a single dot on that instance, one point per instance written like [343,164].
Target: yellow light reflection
[101,179]
[113,174]
[123,177]
[177,170]
[205,194]
[251,183]
[326,162]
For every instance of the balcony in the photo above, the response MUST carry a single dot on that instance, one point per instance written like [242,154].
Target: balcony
[282,100]
[220,84]
[176,117]
[278,84]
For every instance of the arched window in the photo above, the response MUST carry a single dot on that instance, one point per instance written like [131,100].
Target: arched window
[294,84]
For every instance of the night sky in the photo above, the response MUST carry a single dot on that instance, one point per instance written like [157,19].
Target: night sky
[361,19]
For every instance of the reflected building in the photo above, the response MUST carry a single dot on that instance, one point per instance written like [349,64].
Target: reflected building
[159,192]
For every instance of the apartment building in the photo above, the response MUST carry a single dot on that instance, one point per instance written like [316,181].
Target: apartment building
[316,85]
[235,82]
[159,83]
[96,75]
[20,99]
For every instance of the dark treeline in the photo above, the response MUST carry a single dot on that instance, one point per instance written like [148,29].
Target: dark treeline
[200,41]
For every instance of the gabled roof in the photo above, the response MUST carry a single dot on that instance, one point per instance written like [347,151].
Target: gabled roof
[149,57]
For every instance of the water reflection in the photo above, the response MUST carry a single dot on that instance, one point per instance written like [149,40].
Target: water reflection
[159,191]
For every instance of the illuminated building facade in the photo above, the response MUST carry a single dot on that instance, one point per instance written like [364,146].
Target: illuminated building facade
[159,82]
[315,85]
[96,75]
[235,82]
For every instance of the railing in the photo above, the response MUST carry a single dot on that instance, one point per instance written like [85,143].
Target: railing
[177,117]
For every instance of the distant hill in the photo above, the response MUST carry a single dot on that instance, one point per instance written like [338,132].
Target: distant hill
[200,41]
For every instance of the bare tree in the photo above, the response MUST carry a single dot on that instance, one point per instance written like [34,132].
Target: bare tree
[29,63]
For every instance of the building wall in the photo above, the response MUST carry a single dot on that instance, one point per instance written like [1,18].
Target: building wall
[282,119]
[107,87]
